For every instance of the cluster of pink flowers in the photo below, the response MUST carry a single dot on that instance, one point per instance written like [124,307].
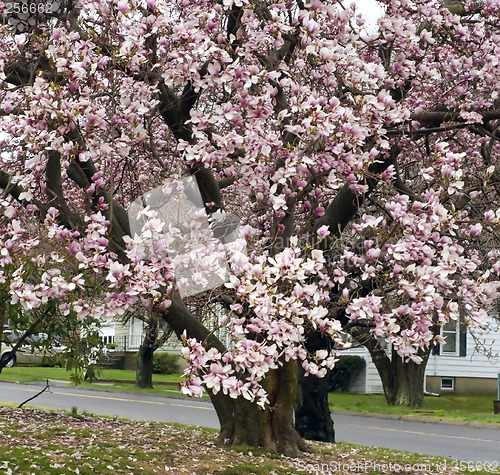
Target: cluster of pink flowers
[287,110]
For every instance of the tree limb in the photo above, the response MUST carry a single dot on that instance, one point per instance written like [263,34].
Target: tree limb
[346,203]
[436,118]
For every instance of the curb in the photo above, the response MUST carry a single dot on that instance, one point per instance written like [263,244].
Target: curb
[374,415]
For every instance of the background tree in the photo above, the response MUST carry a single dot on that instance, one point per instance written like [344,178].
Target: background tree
[40,296]
[346,155]
[155,334]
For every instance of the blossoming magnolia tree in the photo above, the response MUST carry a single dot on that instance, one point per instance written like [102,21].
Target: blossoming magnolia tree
[362,166]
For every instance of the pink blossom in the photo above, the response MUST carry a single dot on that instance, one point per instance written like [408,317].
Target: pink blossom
[323,231]
[476,229]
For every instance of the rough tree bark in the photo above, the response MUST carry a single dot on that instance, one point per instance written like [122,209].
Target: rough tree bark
[408,383]
[154,337]
[313,419]
[403,382]
[144,372]
[271,428]
[242,422]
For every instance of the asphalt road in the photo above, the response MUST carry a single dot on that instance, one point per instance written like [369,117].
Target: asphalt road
[459,442]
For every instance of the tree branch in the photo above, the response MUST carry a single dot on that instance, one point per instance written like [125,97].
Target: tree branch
[181,320]
[436,118]
[346,203]
[16,191]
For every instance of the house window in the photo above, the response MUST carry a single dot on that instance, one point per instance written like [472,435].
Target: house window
[107,339]
[448,383]
[455,334]
[450,332]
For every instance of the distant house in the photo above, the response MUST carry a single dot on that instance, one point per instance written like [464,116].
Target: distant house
[128,336]
[469,361]
[107,332]
[125,339]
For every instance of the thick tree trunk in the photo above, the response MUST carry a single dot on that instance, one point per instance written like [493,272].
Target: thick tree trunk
[270,429]
[403,382]
[242,422]
[407,388]
[313,420]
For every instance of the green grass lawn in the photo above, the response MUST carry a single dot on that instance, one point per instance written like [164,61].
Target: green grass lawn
[55,443]
[23,374]
[464,407]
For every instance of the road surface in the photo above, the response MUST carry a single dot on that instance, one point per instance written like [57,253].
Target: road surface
[459,442]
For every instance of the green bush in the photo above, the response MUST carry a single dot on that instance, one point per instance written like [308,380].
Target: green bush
[345,372]
[165,363]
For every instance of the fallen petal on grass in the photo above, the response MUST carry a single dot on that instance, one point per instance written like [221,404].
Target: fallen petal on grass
[37,441]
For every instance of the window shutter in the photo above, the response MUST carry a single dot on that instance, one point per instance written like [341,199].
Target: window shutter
[463,339]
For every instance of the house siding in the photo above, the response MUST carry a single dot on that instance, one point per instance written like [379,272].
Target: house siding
[476,364]
[368,382]
[476,372]
[463,385]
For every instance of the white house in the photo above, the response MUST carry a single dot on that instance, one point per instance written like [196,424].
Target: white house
[128,336]
[469,361]
[107,332]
